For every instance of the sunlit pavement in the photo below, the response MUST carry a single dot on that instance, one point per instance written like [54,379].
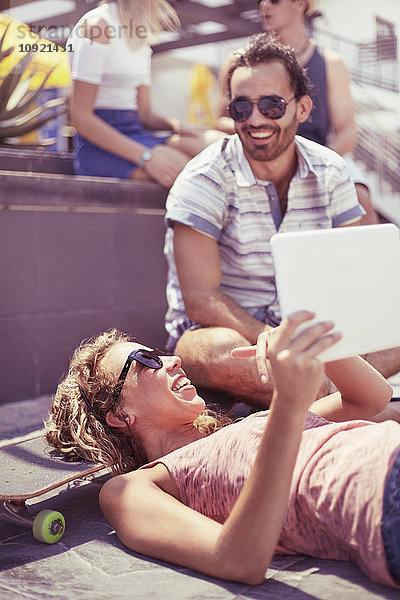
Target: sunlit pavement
[89,562]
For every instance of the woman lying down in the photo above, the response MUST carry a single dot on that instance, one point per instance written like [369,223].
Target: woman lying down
[304,477]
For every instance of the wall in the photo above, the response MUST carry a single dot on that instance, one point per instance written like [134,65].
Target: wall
[77,257]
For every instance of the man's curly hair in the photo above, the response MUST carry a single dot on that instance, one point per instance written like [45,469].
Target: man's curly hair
[264,48]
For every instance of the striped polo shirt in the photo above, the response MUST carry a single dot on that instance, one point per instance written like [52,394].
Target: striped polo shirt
[218,195]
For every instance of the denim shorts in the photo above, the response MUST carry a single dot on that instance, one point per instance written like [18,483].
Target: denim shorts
[94,161]
[390,525]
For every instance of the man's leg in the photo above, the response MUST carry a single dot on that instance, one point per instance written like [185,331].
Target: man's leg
[387,362]
[208,363]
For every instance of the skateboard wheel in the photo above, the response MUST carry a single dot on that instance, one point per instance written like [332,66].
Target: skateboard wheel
[48,526]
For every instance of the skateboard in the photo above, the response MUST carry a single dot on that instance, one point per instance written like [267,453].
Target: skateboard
[29,469]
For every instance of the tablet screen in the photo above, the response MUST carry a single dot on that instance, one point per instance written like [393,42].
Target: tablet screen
[349,275]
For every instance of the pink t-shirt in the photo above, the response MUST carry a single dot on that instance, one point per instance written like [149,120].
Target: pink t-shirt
[336,497]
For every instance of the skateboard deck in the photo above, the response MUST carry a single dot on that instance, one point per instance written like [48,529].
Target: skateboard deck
[29,469]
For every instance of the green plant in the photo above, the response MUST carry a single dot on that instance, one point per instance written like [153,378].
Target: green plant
[18,114]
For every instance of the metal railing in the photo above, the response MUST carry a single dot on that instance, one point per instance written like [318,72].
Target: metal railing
[379,151]
[378,142]
[372,62]
[378,148]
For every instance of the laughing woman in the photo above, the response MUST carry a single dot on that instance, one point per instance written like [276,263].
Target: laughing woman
[110,105]
[223,499]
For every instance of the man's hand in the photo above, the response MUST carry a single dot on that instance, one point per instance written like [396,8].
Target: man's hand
[293,356]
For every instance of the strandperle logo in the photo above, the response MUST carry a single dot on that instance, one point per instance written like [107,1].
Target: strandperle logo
[54,32]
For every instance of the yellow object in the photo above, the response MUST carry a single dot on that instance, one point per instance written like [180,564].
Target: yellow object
[20,36]
[201,83]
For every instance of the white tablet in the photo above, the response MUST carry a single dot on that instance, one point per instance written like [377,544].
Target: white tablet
[350,276]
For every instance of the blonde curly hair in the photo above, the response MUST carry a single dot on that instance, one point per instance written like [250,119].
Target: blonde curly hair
[79,432]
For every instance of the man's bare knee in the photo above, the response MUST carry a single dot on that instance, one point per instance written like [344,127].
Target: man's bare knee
[387,362]
[208,346]
[206,358]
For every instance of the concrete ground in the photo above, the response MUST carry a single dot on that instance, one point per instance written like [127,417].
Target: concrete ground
[90,563]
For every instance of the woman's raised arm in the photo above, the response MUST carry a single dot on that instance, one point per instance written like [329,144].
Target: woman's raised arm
[362,391]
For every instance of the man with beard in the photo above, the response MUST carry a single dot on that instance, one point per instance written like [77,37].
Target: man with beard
[225,206]
[332,121]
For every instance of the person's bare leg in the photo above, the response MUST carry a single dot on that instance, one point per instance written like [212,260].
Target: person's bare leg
[177,157]
[206,359]
[181,148]
[364,198]
[193,144]
[140,175]
[387,362]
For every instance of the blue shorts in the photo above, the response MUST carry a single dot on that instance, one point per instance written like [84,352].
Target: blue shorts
[93,161]
[391,520]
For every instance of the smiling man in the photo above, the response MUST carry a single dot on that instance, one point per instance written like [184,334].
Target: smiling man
[225,206]
[332,121]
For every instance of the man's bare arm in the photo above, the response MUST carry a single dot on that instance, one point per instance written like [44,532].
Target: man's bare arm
[199,271]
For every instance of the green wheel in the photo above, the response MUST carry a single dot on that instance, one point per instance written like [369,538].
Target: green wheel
[48,526]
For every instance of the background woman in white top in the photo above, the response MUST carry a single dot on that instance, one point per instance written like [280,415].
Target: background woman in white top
[110,103]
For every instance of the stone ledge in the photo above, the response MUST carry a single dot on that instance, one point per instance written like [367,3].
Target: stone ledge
[36,160]
[18,188]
